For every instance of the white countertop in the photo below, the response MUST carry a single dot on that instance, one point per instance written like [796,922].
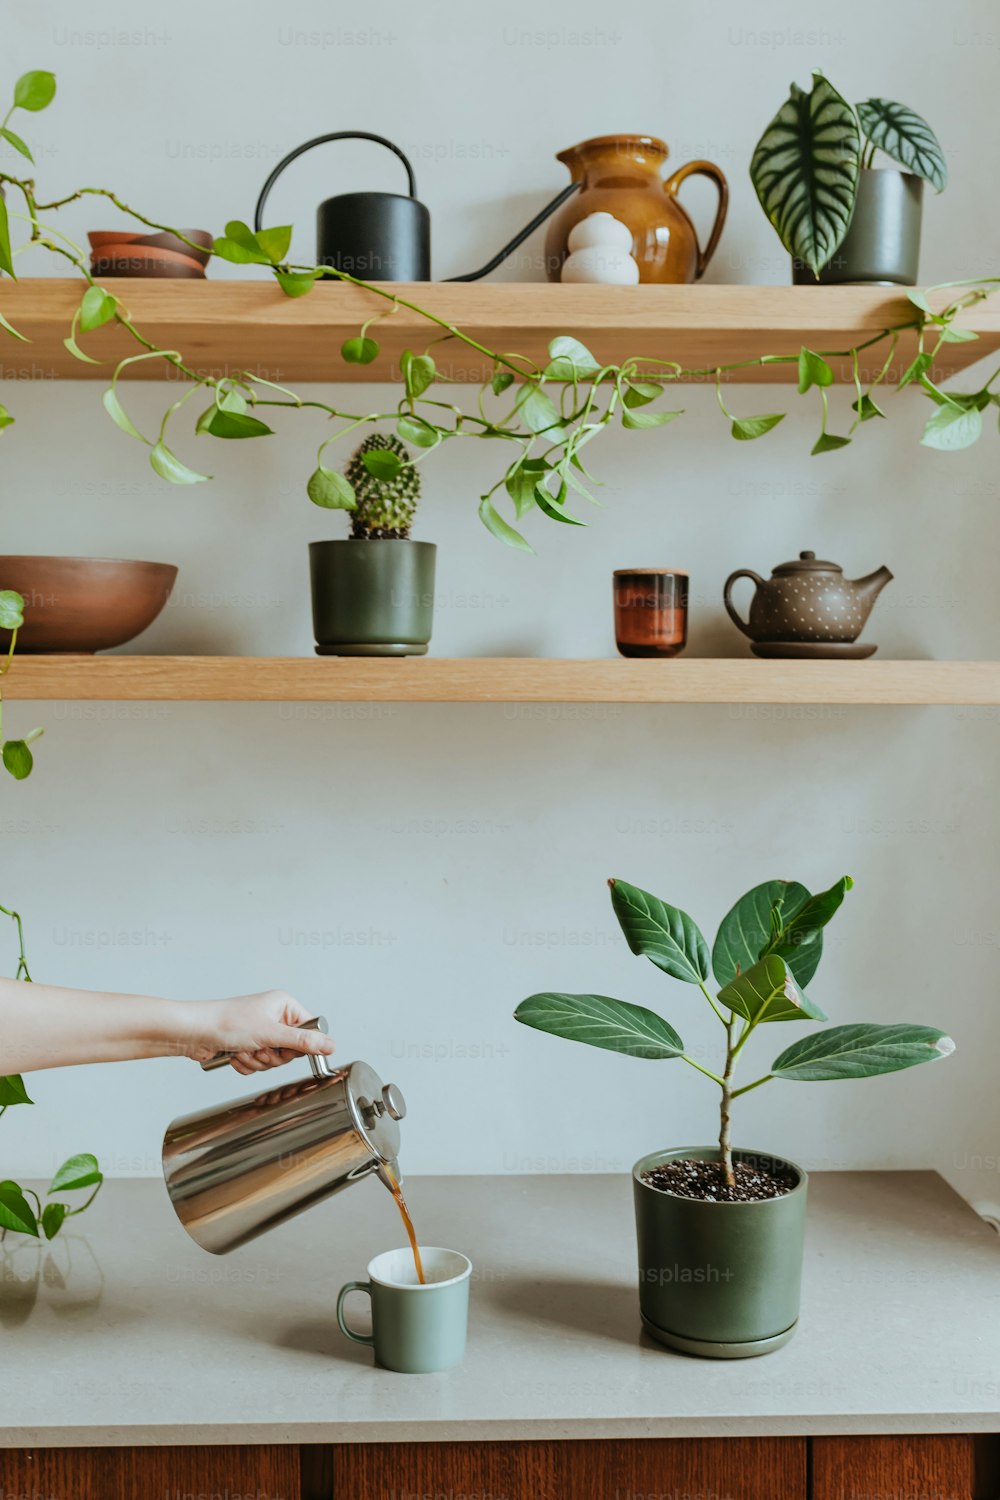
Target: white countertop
[125,1333]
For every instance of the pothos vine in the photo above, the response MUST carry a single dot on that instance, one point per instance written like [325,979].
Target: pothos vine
[549,414]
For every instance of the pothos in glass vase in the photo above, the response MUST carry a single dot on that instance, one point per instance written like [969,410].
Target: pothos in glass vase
[21,1208]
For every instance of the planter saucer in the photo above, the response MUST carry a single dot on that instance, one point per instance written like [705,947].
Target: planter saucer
[381,648]
[712,1350]
[813,650]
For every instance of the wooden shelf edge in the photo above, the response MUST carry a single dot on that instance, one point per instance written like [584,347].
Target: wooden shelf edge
[221,325]
[432,679]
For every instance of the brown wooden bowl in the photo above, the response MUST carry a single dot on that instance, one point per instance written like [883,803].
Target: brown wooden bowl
[84,604]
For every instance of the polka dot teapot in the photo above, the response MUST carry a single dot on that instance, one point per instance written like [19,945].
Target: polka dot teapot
[806,600]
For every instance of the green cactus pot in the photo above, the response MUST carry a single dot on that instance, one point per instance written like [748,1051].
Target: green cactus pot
[719,1279]
[372,598]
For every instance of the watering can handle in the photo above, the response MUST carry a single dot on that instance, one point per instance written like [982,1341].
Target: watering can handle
[321,140]
[318,1023]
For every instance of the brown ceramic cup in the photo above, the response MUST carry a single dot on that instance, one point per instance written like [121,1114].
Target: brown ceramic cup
[650,611]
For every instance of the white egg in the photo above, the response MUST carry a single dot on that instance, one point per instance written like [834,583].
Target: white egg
[600,229]
[601,265]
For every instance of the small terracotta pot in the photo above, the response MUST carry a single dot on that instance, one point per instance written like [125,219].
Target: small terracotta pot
[112,250]
[84,604]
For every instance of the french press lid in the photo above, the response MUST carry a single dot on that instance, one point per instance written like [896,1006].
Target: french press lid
[807,562]
[376,1108]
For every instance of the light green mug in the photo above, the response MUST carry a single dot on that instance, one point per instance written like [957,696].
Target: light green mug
[416,1327]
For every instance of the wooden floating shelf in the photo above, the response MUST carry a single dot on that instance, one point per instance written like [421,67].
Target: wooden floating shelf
[433,679]
[223,326]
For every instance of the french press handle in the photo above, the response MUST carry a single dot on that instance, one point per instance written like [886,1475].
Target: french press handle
[321,140]
[318,1064]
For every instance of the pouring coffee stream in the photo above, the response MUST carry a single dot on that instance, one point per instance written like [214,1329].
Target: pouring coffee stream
[235,1170]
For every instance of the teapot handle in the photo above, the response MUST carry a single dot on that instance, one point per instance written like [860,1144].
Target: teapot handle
[706,169]
[727,596]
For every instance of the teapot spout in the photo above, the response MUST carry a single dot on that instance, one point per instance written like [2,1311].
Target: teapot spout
[869,588]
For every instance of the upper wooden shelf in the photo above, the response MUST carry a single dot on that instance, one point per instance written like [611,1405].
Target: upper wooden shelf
[433,679]
[223,326]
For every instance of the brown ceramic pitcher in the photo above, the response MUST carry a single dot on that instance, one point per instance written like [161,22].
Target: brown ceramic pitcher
[621,175]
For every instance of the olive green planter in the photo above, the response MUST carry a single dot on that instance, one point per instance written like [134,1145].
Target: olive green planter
[719,1279]
[882,245]
[372,598]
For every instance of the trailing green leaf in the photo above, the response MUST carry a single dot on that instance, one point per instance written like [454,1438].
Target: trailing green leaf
[828,442]
[96,308]
[78,1171]
[119,415]
[13,1091]
[18,759]
[952,427]
[170,467]
[745,429]
[570,360]
[330,490]
[813,370]
[600,1021]
[359,351]
[34,91]
[11,609]
[498,527]
[15,1211]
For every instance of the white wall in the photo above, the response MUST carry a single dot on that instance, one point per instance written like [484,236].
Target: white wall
[416,871]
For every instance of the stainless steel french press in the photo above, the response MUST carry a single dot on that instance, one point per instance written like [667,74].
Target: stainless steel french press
[236,1170]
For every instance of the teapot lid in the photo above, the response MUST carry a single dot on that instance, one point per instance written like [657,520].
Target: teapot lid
[807,562]
[375,1109]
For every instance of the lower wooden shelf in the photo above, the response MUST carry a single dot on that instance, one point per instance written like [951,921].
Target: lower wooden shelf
[432,679]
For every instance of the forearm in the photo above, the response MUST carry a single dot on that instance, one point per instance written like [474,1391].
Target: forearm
[42,1026]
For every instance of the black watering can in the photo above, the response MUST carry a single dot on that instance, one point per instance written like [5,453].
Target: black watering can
[384,236]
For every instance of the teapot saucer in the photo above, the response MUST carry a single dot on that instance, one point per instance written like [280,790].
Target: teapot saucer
[813,650]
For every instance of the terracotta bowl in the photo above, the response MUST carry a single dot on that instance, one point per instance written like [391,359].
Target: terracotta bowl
[136,258]
[100,239]
[84,604]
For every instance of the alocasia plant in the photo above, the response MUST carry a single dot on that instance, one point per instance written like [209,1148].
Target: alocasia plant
[767,948]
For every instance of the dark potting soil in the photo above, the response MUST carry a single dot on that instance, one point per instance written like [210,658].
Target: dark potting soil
[704,1180]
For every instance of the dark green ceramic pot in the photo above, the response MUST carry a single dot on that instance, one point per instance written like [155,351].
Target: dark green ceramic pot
[372,598]
[719,1279]
[882,245]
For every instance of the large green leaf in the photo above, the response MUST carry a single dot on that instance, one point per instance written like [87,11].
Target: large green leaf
[861,1051]
[11,609]
[908,139]
[34,91]
[77,1172]
[768,992]
[664,934]
[602,1022]
[15,1211]
[800,930]
[746,930]
[13,1091]
[805,171]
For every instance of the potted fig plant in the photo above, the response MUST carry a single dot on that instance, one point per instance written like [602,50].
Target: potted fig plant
[720,1229]
[840,218]
[373,594]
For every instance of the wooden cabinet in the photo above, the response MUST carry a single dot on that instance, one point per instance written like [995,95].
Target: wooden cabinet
[953,1467]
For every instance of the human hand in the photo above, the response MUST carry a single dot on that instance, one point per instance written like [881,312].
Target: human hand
[260,1031]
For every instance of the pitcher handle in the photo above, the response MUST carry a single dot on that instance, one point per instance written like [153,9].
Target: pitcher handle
[316,1023]
[707,169]
[351,1333]
[727,596]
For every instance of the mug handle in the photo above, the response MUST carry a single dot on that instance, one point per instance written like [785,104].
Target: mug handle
[727,596]
[706,169]
[353,1286]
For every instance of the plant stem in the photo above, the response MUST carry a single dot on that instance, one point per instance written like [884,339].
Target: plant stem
[725,1137]
[755,1085]
[707,1071]
[718,1012]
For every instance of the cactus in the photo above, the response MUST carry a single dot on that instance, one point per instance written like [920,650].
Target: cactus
[385,507]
